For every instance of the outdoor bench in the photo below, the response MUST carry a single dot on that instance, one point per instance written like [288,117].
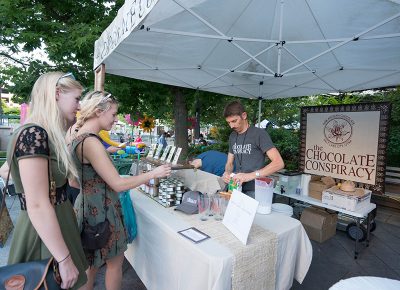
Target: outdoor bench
[392,175]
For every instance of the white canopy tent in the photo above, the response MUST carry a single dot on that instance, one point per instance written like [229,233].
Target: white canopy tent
[256,48]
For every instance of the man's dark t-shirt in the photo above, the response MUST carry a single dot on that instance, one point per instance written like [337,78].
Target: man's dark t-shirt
[249,149]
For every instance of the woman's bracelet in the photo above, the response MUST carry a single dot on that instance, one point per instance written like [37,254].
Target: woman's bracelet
[69,254]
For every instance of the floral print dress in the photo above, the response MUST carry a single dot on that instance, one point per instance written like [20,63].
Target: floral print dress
[99,202]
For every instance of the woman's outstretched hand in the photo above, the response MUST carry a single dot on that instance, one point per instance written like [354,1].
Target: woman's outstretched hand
[162,171]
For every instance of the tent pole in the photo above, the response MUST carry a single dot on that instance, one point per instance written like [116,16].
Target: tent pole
[99,77]
[259,110]
[259,102]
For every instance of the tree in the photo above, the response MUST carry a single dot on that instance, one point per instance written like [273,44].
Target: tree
[67,33]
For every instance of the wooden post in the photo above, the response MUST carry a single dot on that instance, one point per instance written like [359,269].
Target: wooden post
[99,77]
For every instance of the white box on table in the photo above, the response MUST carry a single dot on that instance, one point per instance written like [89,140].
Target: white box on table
[346,201]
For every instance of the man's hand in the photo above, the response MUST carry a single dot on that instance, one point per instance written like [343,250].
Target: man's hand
[243,177]
[226,177]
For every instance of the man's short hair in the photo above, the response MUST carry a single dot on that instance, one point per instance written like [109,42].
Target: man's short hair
[234,108]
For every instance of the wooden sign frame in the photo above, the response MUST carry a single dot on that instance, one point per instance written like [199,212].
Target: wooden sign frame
[384,108]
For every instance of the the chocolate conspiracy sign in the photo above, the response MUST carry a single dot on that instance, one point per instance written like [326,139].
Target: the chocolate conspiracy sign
[347,142]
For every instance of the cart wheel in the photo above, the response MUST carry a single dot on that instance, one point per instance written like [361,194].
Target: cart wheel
[372,226]
[353,232]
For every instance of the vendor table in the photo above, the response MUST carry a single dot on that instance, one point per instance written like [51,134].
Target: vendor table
[165,260]
[359,214]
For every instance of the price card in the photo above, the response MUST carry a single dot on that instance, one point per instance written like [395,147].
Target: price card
[177,154]
[171,154]
[152,150]
[165,153]
[158,152]
[195,235]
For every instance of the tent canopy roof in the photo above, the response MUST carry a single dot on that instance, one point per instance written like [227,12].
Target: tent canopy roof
[256,48]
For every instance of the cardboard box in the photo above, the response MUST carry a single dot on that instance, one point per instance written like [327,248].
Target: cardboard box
[315,194]
[319,224]
[316,188]
[340,199]
[315,177]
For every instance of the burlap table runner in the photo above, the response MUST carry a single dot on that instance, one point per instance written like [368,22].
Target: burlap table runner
[254,264]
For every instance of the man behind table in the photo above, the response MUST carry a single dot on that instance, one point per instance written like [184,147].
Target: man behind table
[248,147]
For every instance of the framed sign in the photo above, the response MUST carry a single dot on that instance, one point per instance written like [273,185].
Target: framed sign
[346,142]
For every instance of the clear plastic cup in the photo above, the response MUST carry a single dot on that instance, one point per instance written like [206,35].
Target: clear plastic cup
[218,207]
[203,202]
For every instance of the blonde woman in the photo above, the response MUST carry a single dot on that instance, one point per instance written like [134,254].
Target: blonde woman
[47,228]
[101,183]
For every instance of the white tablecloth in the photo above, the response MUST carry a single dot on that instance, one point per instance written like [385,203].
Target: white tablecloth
[165,260]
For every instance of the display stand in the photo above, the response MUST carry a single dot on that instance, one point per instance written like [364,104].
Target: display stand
[358,215]
[157,162]
[167,157]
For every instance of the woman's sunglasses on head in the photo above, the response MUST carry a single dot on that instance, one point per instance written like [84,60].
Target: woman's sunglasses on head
[107,98]
[67,75]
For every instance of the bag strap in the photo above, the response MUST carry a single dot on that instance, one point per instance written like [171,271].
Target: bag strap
[3,201]
[52,183]
[105,186]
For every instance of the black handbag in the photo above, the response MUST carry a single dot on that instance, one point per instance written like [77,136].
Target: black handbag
[42,274]
[94,237]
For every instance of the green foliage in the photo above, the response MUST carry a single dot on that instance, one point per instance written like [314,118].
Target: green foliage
[287,142]
[195,150]
[66,31]
[223,132]
[393,147]
[11,111]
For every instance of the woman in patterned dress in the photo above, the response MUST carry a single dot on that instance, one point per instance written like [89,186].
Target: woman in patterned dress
[101,183]
[47,227]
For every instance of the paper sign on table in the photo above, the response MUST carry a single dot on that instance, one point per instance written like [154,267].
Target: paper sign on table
[239,215]
[171,153]
[158,152]
[165,153]
[177,154]
[152,150]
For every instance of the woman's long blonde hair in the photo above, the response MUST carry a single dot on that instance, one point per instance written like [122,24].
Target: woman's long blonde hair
[44,111]
[92,103]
